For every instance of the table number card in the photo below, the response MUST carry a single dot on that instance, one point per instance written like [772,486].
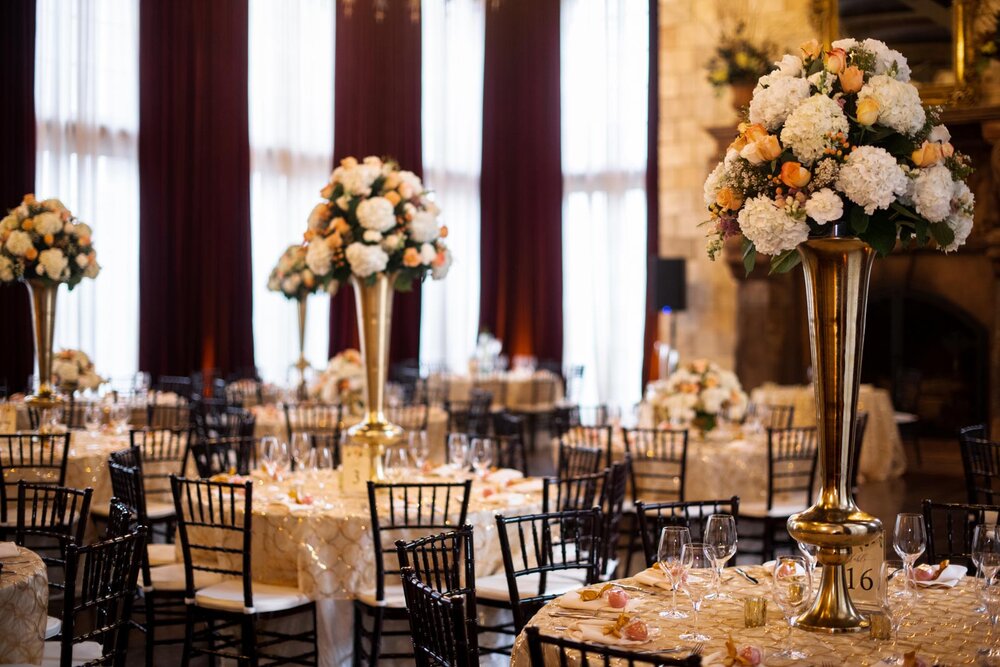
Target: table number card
[862,570]
[8,418]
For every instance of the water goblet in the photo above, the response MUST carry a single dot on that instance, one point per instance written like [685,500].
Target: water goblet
[299,449]
[419,449]
[458,451]
[909,541]
[700,563]
[791,587]
[720,534]
[670,555]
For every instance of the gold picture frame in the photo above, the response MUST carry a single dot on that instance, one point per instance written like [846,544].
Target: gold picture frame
[963,92]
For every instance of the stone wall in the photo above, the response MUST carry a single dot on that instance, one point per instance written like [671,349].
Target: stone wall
[689,107]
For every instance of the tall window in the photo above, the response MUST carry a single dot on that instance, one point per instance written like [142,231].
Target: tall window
[453,48]
[87,106]
[604,87]
[291,145]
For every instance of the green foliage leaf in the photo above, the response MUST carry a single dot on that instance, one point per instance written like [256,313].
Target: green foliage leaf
[880,235]
[749,256]
[814,67]
[942,233]
[858,220]
[404,282]
[785,262]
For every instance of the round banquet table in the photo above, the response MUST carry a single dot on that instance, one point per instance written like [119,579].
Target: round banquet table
[882,454]
[515,390]
[325,549]
[24,602]
[87,462]
[947,631]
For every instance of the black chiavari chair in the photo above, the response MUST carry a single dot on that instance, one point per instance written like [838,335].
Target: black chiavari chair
[164,453]
[214,521]
[612,503]
[950,528]
[598,437]
[400,511]
[443,635]
[659,463]
[772,415]
[579,492]
[471,416]
[230,454]
[178,416]
[175,384]
[573,460]
[244,392]
[38,458]
[213,418]
[981,463]
[692,514]
[121,519]
[546,650]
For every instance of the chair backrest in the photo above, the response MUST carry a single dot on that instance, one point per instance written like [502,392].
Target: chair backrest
[33,457]
[471,416]
[545,650]
[599,437]
[50,519]
[445,562]
[950,528]
[121,519]
[313,417]
[612,503]
[101,585]
[541,545]
[403,511]
[228,454]
[654,517]
[71,413]
[565,417]
[177,384]
[791,465]
[244,392]
[178,416]
[164,453]
[579,492]
[860,428]
[213,418]
[659,463]
[772,415]
[214,521]
[440,627]
[576,460]
[981,464]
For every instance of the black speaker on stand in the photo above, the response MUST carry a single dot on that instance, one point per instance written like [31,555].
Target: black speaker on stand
[670,298]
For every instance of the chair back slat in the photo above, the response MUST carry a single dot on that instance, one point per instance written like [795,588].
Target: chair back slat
[950,528]
[981,462]
[310,417]
[654,517]
[49,520]
[472,415]
[791,465]
[772,415]
[659,463]
[574,460]
[442,631]
[164,453]
[594,437]
[39,458]
[444,562]
[572,493]
[225,454]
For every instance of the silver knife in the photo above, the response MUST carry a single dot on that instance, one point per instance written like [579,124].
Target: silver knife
[742,573]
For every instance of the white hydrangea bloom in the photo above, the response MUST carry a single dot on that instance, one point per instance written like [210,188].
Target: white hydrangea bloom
[18,243]
[376,213]
[825,206]
[82,229]
[409,185]
[899,103]
[960,221]
[423,227]
[92,270]
[82,260]
[371,236]
[357,180]
[789,65]
[48,223]
[319,257]
[775,96]
[846,44]
[769,227]
[807,127]
[428,253]
[52,263]
[9,223]
[939,133]
[714,183]
[822,81]
[887,59]
[871,178]
[931,192]
[366,260]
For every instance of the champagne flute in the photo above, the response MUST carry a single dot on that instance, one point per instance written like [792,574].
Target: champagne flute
[670,555]
[895,599]
[909,540]
[419,449]
[720,534]
[299,449]
[458,451]
[791,587]
[700,562]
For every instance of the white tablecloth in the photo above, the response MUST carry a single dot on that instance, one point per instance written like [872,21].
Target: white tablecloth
[24,602]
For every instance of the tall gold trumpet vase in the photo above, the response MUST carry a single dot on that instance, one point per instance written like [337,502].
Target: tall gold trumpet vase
[837,272]
[374,307]
[302,364]
[43,311]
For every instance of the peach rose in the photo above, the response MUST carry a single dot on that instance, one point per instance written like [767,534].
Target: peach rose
[31,254]
[794,175]
[929,153]
[28,225]
[727,198]
[308,279]
[755,132]
[836,61]
[769,147]
[327,191]
[393,197]
[947,150]
[851,79]
[84,240]
[49,239]
[442,256]
[340,226]
[811,49]
[443,232]
[334,241]
[868,110]
[308,235]
[29,198]
[411,258]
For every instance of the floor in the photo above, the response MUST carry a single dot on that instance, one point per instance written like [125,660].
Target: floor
[938,477]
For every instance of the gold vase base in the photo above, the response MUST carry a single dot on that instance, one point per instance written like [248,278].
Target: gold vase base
[832,611]
[44,398]
[376,433]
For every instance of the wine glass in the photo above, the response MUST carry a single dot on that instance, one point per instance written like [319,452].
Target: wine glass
[119,417]
[720,534]
[810,551]
[419,449]
[670,555]
[395,464]
[481,453]
[324,459]
[791,587]
[299,449]
[909,540]
[700,562]
[895,599]
[458,451]
[990,654]
[92,418]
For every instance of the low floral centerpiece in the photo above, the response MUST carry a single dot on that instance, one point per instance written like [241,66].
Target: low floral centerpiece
[697,394]
[44,245]
[73,369]
[341,381]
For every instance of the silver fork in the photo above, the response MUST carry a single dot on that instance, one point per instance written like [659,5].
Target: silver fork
[698,648]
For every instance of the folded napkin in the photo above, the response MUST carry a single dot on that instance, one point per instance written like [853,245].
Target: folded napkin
[572,601]
[653,577]
[593,631]
[948,578]
[504,475]
[8,549]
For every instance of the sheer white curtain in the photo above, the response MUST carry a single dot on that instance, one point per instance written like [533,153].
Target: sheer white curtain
[604,95]
[87,106]
[453,40]
[291,150]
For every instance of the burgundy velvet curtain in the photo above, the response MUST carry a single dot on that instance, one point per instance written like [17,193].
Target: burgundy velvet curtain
[650,365]
[521,181]
[377,112]
[17,176]
[194,187]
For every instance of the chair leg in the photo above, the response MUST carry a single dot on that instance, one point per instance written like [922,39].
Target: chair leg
[248,642]
[358,638]
[376,648]
[188,639]
[150,629]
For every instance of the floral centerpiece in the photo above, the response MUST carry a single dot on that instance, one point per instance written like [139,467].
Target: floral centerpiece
[72,370]
[290,276]
[739,62]
[341,381]
[697,394]
[375,218]
[839,137]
